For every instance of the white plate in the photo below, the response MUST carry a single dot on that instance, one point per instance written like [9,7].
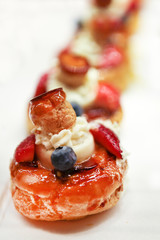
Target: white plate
[31,32]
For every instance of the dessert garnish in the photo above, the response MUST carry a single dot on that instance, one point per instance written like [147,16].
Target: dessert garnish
[77,108]
[79,168]
[132,7]
[73,64]
[73,69]
[97,112]
[111,57]
[108,139]
[42,85]
[63,158]
[25,150]
[107,97]
[51,112]
[79,24]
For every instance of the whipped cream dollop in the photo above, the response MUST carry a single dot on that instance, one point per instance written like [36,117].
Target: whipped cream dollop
[83,95]
[84,45]
[78,137]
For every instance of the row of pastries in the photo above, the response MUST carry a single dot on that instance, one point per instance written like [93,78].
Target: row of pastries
[72,164]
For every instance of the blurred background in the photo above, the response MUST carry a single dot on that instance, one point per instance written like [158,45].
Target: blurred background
[31,33]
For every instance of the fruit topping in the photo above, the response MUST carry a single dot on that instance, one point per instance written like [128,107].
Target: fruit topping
[107,139]
[29,164]
[25,150]
[79,168]
[73,64]
[110,57]
[107,97]
[133,6]
[102,3]
[41,87]
[85,166]
[79,24]
[97,112]
[78,110]
[63,158]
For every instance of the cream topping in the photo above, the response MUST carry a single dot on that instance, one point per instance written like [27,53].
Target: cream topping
[78,137]
[83,95]
[80,140]
[84,45]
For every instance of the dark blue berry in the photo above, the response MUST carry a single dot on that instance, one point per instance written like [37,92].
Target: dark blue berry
[63,158]
[78,110]
[79,24]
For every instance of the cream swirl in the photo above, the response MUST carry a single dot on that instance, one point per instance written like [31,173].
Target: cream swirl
[83,95]
[78,137]
[84,45]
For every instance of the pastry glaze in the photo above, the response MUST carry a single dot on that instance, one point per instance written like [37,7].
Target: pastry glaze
[51,112]
[38,193]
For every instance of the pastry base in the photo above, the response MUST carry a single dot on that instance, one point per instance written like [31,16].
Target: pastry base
[120,77]
[41,208]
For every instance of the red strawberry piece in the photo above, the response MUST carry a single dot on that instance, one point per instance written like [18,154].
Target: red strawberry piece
[107,139]
[102,3]
[111,57]
[25,151]
[73,64]
[97,112]
[133,6]
[107,97]
[41,87]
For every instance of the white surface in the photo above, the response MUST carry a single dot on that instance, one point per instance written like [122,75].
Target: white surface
[30,33]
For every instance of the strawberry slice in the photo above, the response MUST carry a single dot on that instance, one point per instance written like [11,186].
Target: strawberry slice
[133,6]
[107,97]
[102,3]
[73,64]
[25,150]
[41,87]
[111,57]
[107,139]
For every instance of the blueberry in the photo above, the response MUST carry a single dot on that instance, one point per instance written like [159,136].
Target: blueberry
[78,110]
[63,158]
[79,24]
